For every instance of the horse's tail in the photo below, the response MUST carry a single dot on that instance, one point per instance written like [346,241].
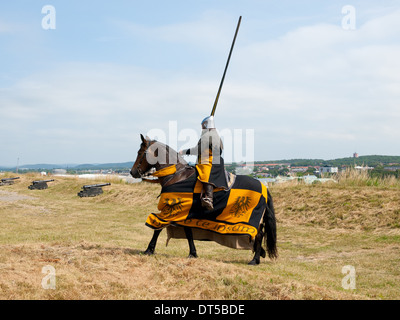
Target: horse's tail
[270,228]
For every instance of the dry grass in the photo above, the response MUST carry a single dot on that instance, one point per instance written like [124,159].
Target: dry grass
[338,207]
[353,177]
[94,244]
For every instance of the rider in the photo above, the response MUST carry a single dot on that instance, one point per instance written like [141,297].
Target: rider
[210,164]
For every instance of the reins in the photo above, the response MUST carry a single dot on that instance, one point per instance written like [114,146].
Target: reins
[140,171]
[166,174]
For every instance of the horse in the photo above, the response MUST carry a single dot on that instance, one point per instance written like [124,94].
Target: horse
[174,173]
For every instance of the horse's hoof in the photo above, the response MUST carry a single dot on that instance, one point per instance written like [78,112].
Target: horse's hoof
[148,252]
[263,253]
[192,256]
[254,262]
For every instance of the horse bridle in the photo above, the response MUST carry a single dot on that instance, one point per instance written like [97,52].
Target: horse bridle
[169,179]
[140,171]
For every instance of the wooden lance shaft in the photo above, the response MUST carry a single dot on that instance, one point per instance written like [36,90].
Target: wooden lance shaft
[226,67]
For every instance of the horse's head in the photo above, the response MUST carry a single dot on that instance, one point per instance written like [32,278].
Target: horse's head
[141,165]
[153,154]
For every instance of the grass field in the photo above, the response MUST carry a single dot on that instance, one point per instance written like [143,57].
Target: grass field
[95,245]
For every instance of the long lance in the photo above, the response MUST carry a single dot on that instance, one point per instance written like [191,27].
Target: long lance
[226,68]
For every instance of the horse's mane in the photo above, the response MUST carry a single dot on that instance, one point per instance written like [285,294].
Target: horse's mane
[162,146]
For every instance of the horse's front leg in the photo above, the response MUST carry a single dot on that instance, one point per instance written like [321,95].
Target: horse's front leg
[189,237]
[152,245]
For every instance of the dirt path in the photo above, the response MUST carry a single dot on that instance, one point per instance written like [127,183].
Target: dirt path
[9,196]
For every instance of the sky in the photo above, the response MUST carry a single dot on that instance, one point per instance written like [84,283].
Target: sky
[80,82]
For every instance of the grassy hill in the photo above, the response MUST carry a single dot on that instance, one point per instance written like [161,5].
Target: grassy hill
[95,245]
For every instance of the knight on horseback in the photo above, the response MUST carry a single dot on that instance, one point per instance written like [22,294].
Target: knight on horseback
[210,164]
[239,215]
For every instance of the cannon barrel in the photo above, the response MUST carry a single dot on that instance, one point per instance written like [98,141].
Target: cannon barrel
[96,185]
[9,179]
[39,181]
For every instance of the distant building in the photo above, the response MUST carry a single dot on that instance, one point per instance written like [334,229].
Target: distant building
[59,171]
[393,168]
[328,169]
[244,170]
[298,169]
[363,168]
[355,155]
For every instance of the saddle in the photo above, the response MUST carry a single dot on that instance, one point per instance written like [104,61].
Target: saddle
[187,171]
[230,179]
[182,172]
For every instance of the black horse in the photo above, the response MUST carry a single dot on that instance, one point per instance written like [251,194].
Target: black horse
[148,160]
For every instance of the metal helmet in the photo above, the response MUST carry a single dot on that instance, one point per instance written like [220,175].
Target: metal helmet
[208,123]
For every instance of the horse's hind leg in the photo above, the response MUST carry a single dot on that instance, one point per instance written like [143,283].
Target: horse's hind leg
[258,249]
[192,248]
[152,245]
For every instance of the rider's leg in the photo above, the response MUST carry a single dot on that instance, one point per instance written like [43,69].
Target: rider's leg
[207,198]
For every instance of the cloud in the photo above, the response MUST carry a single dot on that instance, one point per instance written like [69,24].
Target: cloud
[323,85]
[205,33]
[316,91]
[7,27]
[94,111]
[4,28]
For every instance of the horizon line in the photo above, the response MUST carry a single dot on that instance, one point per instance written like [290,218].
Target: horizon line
[132,161]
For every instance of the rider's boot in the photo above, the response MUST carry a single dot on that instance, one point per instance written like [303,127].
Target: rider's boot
[207,199]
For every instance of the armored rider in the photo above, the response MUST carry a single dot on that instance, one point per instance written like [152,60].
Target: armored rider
[210,164]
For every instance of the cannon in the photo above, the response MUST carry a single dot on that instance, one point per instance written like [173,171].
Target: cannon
[39,184]
[7,181]
[92,190]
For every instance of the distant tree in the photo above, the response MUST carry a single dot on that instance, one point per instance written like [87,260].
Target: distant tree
[310,170]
